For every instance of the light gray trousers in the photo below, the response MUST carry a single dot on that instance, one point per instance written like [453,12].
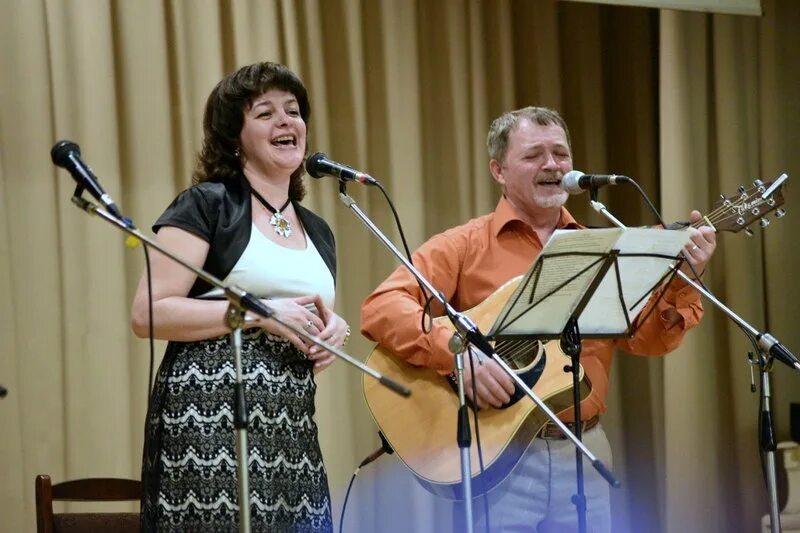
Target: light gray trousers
[537,495]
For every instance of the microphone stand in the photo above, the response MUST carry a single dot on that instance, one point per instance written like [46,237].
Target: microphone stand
[769,348]
[766,439]
[468,330]
[240,302]
[234,318]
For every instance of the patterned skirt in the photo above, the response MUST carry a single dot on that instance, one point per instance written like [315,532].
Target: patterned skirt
[190,461]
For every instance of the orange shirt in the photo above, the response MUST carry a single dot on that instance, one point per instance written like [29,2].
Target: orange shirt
[467,264]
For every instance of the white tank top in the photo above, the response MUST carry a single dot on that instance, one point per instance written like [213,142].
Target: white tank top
[268,270]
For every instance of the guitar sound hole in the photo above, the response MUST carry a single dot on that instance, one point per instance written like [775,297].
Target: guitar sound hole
[526,358]
[528,366]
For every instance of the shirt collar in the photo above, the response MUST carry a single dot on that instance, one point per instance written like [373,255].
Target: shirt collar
[505,214]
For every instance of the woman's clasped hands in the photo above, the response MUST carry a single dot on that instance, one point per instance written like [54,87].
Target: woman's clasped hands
[311,314]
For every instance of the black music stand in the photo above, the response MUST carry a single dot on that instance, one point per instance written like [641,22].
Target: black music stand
[588,283]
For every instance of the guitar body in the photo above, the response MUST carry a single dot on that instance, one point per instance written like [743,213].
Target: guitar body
[422,428]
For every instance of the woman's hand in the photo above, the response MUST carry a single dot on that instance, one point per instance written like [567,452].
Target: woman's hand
[294,311]
[335,333]
[328,326]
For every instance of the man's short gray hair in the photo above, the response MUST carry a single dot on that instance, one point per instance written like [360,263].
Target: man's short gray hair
[497,140]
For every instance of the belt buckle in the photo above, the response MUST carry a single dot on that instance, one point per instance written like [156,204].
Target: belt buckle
[550,431]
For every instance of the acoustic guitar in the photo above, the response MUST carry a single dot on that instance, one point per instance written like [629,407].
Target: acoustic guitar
[422,428]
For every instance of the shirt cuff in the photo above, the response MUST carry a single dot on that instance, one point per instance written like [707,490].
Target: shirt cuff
[680,294]
[681,298]
[442,359]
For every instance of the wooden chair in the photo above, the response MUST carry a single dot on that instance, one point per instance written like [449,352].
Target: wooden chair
[85,490]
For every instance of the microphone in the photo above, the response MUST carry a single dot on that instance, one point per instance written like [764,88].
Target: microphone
[771,345]
[67,154]
[575,181]
[319,165]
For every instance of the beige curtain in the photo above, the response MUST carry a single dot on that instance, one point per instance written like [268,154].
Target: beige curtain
[690,104]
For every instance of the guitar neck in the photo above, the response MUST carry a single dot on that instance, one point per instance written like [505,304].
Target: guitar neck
[737,212]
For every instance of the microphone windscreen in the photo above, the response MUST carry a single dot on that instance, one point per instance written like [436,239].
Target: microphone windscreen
[570,182]
[313,165]
[61,150]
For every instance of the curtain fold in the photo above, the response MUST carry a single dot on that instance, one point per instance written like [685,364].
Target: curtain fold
[689,104]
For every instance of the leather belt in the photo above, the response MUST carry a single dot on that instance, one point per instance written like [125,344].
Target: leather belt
[551,431]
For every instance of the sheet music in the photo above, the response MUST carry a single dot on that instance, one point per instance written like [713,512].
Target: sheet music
[551,290]
[639,275]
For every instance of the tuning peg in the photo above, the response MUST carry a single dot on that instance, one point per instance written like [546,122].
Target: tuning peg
[741,189]
[748,232]
[780,213]
[764,222]
[757,183]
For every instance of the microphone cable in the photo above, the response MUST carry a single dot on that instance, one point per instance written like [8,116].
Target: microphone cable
[427,311]
[664,225]
[150,327]
[385,448]
[426,328]
[346,497]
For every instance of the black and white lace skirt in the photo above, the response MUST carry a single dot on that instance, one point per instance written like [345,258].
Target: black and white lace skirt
[189,463]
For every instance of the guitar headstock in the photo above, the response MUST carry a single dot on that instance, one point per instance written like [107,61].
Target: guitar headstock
[735,213]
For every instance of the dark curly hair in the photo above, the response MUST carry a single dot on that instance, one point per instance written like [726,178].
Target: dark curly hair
[224,118]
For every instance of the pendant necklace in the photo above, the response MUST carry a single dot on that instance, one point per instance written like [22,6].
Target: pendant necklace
[279,222]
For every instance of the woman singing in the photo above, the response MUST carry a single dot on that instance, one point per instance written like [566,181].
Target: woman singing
[242,222]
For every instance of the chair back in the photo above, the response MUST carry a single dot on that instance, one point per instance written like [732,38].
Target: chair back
[85,490]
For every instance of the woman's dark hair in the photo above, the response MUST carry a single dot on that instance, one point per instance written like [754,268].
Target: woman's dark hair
[224,118]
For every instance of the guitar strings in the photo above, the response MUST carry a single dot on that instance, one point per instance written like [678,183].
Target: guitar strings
[512,351]
[722,212]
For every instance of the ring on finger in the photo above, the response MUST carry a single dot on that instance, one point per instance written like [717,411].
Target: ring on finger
[308,325]
[694,247]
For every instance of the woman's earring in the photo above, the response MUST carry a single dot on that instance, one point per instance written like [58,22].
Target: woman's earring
[236,152]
